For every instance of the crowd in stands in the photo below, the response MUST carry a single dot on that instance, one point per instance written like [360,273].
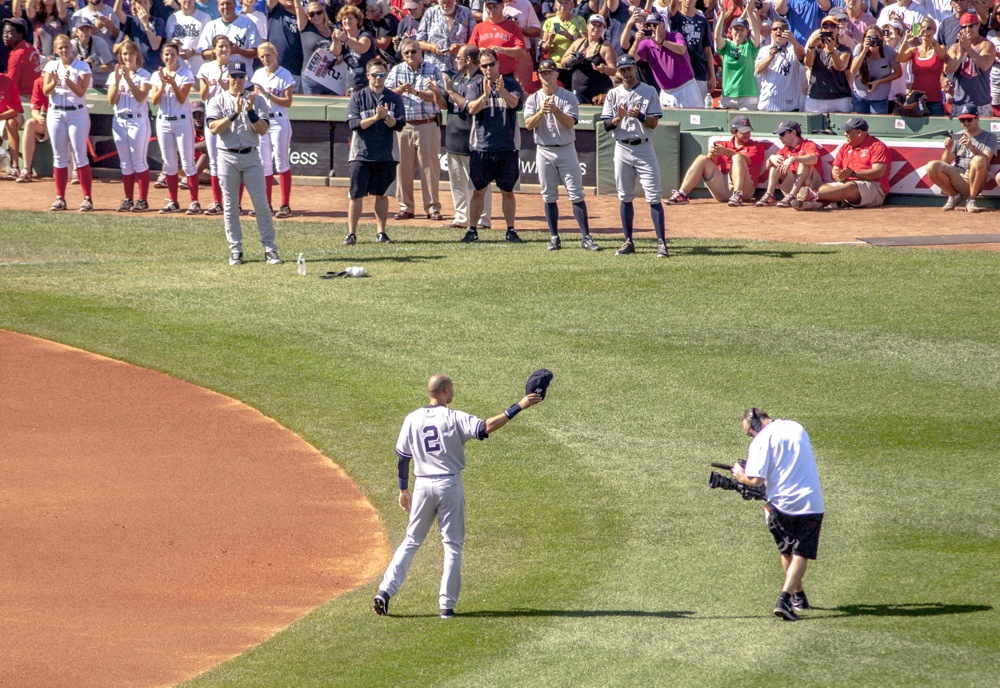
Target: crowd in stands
[778,55]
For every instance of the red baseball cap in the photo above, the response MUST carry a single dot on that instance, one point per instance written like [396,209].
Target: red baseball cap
[969,19]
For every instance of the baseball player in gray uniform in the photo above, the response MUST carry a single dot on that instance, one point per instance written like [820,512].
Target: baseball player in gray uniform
[434,437]
[632,110]
[551,113]
[239,118]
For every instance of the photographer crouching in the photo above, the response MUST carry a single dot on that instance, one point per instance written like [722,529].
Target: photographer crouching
[781,460]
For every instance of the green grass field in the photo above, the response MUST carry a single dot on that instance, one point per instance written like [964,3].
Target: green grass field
[596,555]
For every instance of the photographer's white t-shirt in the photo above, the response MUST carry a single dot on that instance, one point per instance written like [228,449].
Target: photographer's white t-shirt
[782,455]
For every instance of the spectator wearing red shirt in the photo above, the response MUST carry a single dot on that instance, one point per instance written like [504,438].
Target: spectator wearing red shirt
[795,166]
[503,35]
[35,129]
[23,64]
[730,170]
[12,117]
[860,172]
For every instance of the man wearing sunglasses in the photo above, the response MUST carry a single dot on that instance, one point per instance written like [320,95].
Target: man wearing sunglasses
[374,115]
[781,459]
[494,103]
[239,118]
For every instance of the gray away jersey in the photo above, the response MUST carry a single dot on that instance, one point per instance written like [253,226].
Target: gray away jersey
[435,436]
[645,97]
[550,132]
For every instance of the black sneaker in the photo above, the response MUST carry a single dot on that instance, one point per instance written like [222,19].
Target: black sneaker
[470,236]
[588,244]
[447,613]
[554,244]
[141,206]
[171,207]
[194,208]
[512,237]
[783,610]
[235,258]
[383,238]
[350,240]
[661,250]
[627,248]
[799,601]
[272,258]
[213,209]
[283,212]
[125,206]
[381,603]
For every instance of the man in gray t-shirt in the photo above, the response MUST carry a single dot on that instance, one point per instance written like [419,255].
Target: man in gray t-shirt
[239,118]
[963,168]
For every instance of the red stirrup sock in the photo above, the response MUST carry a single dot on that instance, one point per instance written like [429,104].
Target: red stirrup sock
[86,180]
[216,190]
[61,175]
[143,179]
[269,181]
[128,181]
[193,187]
[285,182]
[172,183]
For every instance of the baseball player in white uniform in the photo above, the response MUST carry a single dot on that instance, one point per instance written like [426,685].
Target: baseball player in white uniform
[213,79]
[66,80]
[172,85]
[275,84]
[434,438]
[632,110]
[551,113]
[128,89]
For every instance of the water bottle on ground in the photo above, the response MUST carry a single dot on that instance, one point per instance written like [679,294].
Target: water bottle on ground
[301,264]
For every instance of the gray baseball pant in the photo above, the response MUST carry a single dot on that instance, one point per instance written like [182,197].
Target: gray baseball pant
[244,168]
[559,164]
[444,498]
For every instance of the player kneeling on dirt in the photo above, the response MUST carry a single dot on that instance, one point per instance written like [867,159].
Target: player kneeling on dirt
[795,166]
[860,172]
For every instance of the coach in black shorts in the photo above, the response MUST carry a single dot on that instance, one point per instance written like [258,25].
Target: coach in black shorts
[494,103]
[374,114]
[781,458]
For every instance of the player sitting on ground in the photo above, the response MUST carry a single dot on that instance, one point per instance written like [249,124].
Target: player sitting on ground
[963,168]
[739,161]
[796,165]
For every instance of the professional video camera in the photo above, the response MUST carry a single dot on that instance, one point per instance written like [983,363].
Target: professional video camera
[717,480]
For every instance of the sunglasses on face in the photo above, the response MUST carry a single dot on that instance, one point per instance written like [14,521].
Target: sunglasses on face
[377,75]
[317,13]
[410,52]
[887,32]
[487,65]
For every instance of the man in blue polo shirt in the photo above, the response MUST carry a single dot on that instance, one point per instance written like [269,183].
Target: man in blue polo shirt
[494,103]
[374,115]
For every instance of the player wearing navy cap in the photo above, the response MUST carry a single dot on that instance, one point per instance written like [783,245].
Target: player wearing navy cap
[632,111]
[434,437]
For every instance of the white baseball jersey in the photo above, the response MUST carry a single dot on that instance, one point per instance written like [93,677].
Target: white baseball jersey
[63,96]
[217,77]
[242,33]
[169,105]
[127,104]
[782,455]
[273,84]
[434,437]
[550,132]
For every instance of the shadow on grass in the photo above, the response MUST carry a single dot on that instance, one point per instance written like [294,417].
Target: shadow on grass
[359,257]
[739,250]
[563,613]
[913,609]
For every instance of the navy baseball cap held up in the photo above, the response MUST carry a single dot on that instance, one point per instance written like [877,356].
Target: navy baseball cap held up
[538,382]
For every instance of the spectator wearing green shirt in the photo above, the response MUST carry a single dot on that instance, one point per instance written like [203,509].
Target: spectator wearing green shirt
[560,30]
[740,89]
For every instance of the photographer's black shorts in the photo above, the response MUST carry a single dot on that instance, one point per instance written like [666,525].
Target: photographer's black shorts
[502,167]
[797,535]
[370,178]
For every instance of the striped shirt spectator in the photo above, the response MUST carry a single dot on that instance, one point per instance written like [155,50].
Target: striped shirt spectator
[780,71]
[420,78]
[444,28]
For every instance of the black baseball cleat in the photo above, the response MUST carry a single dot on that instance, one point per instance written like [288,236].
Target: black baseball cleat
[661,250]
[125,206]
[272,258]
[512,237]
[588,244]
[383,238]
[447,613]
[470,236]
[554,244]
[350,239]
[627,248]
[381,603]
[235,258]
[800,602]
[783,610]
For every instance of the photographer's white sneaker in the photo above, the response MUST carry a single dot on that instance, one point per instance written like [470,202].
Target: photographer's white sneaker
[952,202]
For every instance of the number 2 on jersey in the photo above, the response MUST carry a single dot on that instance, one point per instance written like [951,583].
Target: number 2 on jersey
[432,439]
